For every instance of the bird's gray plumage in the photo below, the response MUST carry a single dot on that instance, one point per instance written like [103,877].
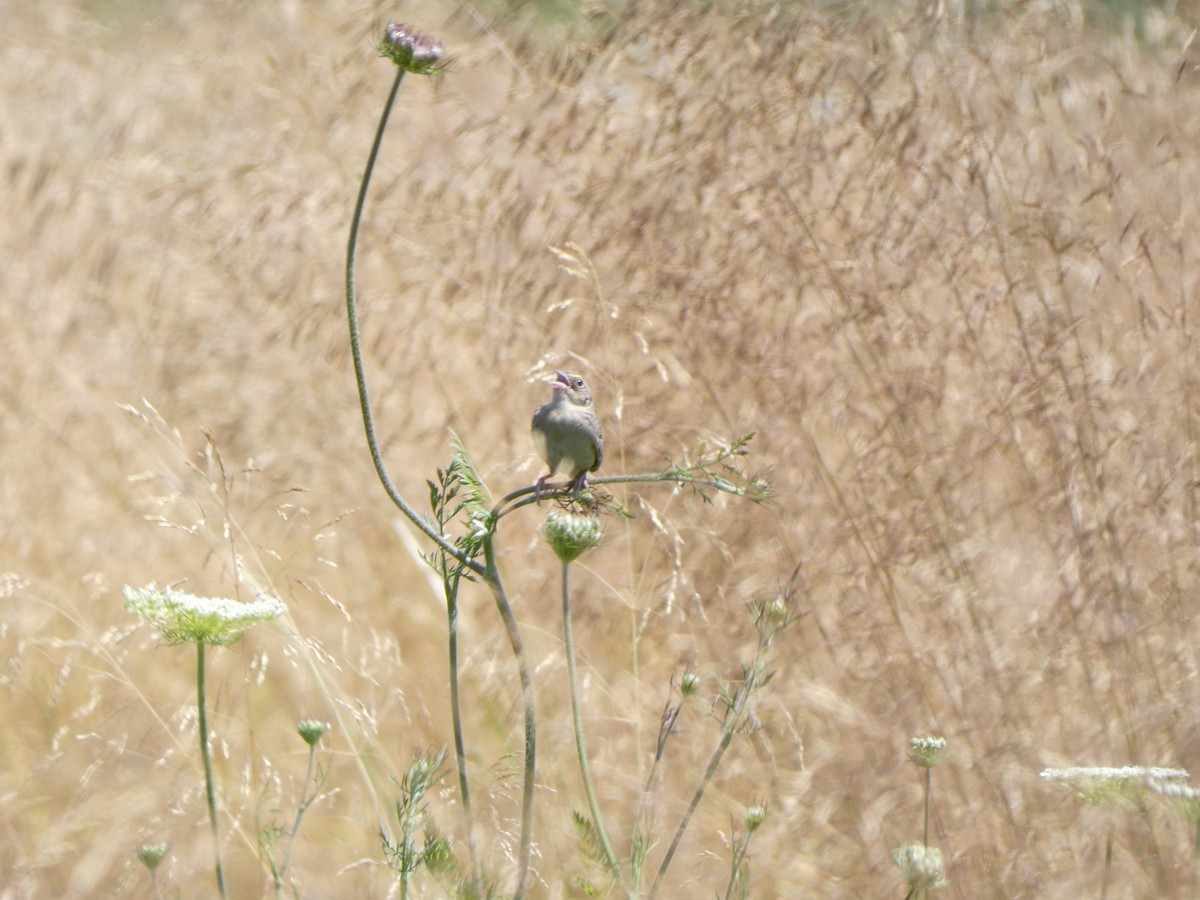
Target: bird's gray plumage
[567,433]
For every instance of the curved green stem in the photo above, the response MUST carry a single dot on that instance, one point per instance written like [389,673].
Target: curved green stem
[584,769]
[492,577]
[205,754]
[356,344]
[450,586]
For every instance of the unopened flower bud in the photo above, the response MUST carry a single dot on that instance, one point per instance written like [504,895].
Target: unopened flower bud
[311,730]
[411,51]
[570,534]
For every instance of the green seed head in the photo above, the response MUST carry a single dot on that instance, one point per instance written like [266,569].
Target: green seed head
[755,816]
[570,534]
[689,683]
[151,855]
[311,730]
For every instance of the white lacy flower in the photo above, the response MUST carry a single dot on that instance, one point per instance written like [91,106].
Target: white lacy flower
[1098,784]
[922,867]
[181,617]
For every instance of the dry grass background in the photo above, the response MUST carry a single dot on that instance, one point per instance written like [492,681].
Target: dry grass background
[943,271]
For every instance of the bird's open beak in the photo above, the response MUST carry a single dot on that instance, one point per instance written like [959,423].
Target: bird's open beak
[561,382]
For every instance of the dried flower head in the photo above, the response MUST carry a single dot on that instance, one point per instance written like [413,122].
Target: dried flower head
[921,867]
[927,752]
[570,534]
[411,51]
[1099,784]
[181,617]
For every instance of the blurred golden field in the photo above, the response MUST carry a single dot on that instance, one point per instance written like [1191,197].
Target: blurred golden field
[942,266]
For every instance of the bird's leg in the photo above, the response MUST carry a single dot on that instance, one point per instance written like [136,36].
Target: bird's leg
[580,482]
[539,487]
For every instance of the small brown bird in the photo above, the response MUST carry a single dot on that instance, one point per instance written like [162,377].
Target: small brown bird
[567,433]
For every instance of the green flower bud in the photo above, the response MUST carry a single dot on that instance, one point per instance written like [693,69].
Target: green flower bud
[311,730]
[755,816]
[151,855]
[689,683]
[570,534]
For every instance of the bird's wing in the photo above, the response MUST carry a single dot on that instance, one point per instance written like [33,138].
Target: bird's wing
[599,443]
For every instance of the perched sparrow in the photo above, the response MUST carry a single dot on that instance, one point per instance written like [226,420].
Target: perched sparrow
[567,433]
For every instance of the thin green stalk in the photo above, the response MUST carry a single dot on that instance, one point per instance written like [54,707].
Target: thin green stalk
[666,728]
[1195,858]
[209,787]
[1108,858]
[726,739]
[406,851]
[732,723]
[381,469]
[928,785]
[521,497]
[408,865]
[584,769]
[739,856]
[450,585]
[492,576]
[305,802]
[488,572]
[356,344]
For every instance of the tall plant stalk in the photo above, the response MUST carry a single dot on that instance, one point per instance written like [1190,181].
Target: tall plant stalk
[411,52]
[492,577]
[713,470]
[770,619]
[576,720]
[206,755]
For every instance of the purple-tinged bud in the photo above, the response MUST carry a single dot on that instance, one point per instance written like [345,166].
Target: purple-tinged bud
[411,51]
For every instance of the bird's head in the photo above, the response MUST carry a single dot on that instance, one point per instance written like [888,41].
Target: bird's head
[572,388]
